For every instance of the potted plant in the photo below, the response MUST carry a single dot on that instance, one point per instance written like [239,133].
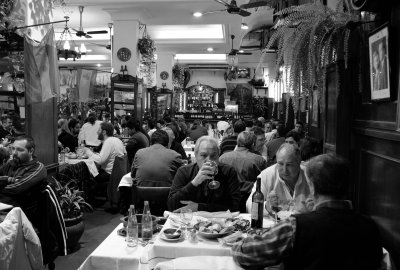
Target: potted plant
[73,205]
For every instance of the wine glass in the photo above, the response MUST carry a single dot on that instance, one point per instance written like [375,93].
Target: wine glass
[186,216]
[213,183]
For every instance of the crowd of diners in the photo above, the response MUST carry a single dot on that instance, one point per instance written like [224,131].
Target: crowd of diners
[323,233]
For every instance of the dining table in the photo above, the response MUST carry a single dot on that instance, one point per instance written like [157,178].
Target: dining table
[113,252]
[89,163]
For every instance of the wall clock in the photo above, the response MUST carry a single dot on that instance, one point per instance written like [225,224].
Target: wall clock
[164,75]
[124,54]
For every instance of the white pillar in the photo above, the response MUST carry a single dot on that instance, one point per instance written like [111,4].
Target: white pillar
[126,35]
[165,62]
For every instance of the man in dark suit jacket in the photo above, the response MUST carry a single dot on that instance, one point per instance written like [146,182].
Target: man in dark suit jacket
[330,237]
[155,166]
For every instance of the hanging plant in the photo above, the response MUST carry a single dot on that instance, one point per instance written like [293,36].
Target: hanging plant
[146,47]
[178,76]
[308,38]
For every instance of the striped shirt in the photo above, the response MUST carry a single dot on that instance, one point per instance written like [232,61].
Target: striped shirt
[228,144]
[276,244]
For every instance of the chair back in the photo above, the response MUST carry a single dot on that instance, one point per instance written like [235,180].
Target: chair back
[120,168]
[157,197]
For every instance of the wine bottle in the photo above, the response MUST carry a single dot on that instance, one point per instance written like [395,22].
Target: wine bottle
[257,206]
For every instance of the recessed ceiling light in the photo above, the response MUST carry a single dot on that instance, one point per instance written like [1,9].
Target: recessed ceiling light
[241,51]
[210,49]
[244,26]
[197,14]
[99,65]
[89,50]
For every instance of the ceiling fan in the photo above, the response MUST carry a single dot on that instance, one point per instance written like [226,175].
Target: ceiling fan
[235,52]
[231,8]
[256,4]
[109,45]
[81,33]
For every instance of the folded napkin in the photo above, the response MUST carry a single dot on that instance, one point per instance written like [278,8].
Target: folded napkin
[4,206]
[222,214]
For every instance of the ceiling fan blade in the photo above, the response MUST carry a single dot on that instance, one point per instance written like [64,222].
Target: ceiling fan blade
[97,32]
[75,30]
[244,13]
[222,2]
[255,4]
[213,11]
[88,36]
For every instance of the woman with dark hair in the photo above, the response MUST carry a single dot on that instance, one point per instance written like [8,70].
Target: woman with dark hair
[197,130]
[293,137]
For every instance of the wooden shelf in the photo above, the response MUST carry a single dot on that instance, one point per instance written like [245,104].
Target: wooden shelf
[11,93]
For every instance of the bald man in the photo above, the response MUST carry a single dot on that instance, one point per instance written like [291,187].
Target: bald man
[284,184]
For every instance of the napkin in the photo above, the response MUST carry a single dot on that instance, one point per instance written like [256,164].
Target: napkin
[4,206]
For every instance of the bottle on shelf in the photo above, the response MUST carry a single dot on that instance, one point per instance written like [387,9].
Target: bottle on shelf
[147,223]
[132,228]
[189,158]
[257,206]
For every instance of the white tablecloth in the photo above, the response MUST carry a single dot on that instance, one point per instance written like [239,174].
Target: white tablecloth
[165,251]
[89,162]
[113,253]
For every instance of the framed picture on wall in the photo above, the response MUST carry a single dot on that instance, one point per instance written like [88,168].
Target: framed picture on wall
[315,109]
[379,63]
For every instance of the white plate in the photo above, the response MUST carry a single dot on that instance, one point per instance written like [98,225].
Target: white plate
[163,237]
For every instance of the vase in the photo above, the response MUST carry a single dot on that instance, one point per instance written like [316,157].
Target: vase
[75,228]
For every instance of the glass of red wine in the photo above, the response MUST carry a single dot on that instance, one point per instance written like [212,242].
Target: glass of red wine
[213,184]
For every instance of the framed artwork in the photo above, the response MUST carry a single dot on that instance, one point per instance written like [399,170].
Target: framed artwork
[379,66]
[315,109]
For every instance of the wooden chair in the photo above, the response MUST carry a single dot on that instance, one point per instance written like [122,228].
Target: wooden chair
[120,168]
[157,197]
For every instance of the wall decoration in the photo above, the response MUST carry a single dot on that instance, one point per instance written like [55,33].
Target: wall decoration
[124,54]
[315,109]
[379,63]
[164,75]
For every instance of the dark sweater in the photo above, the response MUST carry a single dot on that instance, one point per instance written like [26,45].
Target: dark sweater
[354,241]
[68,140]
[227,196]
[26,191]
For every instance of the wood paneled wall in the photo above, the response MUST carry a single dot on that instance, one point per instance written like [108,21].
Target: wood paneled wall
[375,149]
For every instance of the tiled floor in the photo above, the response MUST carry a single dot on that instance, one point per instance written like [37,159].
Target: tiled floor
[98,225]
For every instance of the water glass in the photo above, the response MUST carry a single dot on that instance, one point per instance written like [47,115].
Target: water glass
[186,216]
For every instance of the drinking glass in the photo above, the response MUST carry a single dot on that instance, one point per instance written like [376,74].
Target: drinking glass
[213,183]
[186,216]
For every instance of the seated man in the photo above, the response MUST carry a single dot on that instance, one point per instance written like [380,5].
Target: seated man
[138,139]
[173,144]
[331,237]
[229,143]
[284,185]
[22,177]
[153,166]
[247,164]
[190,189]
[112,147]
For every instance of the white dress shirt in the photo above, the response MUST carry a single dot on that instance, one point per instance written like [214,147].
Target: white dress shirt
[112,147]
[271,181]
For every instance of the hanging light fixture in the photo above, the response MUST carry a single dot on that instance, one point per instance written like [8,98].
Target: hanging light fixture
[63,45]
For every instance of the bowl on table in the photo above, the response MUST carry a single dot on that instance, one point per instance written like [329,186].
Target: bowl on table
[172,233]
[71,155]
[139,220]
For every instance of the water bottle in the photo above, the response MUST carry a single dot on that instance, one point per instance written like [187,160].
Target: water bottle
[147,223]
[132,228]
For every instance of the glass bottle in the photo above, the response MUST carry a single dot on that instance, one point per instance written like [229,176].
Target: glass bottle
[257,206]
[132,228]
[147,223]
